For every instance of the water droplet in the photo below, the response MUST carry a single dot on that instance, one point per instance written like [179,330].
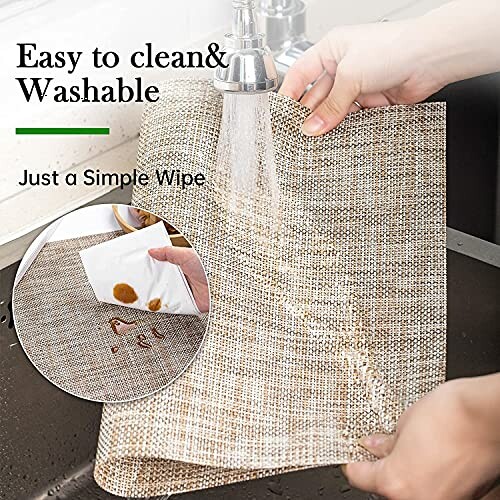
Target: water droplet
[275,488]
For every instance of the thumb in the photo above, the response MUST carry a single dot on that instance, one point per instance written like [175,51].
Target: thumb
[363,475]
[174,255]
[335,107]
[379,445]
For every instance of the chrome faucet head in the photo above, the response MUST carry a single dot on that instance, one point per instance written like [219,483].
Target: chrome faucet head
[250,65]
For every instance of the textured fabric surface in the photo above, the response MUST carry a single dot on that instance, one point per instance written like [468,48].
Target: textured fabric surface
[68,336]
[328,314]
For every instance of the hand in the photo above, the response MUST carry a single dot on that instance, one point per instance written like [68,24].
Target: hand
[401,62]
[447,446]
[187,259]
[374,64]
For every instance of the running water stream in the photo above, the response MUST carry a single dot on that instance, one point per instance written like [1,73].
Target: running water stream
[245,153]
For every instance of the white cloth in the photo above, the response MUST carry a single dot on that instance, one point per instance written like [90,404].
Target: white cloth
[125,261]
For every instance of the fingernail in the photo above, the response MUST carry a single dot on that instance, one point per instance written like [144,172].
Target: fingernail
[313,126]
[369,441]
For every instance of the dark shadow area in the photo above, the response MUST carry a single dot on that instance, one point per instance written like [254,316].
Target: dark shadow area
[473,155]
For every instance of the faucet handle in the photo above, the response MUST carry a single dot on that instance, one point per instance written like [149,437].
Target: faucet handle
[283,22]
[273,7]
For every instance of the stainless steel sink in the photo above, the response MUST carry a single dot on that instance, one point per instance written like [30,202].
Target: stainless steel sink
[48,438]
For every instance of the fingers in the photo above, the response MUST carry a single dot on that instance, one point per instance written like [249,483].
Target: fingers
[318,93]
[367,475]
[494,494]
[331,97]
[363,475]
[174,255]
[379,445]
[335,107]
[305,71]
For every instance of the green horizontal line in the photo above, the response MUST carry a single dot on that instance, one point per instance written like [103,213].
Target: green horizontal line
[62,131]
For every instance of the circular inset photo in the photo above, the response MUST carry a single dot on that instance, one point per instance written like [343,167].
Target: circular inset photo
[111,303]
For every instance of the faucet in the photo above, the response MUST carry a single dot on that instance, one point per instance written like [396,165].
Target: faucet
[284,23]
[248,64]
[251,67]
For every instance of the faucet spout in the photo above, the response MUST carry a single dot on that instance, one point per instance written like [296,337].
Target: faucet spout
[248,64]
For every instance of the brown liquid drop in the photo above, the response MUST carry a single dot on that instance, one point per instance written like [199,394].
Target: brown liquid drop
[120,326]
[124,293]
[114,349]
[143,342]
[154,305]
[157,334]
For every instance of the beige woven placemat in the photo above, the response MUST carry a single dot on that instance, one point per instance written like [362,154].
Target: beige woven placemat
[324,326]
[68,335]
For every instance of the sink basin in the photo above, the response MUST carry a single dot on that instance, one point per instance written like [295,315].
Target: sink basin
[49,437]
[473,156]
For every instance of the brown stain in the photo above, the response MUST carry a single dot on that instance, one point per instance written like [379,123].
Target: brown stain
[124,293]
[157,334]
[120,326]
[154,305]
[114,349]
[143,342]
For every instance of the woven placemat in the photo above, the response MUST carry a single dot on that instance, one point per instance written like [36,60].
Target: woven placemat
[69,337]
[328,317]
